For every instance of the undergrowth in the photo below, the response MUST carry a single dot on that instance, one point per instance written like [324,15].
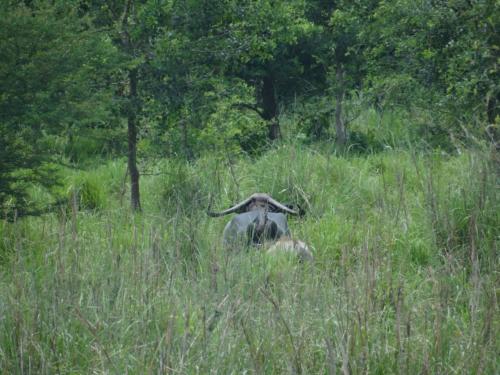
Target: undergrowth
[405,277]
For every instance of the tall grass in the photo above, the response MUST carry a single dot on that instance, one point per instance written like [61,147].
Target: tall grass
[405,277]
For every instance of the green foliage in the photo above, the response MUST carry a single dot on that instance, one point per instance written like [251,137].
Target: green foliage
[229,129]
[262,30]
[315,117]
[82,145]
[87,192]
[435,56]
[45,88]
[219,76]
[100,188]
[403,219]
[180,188]
[120,292]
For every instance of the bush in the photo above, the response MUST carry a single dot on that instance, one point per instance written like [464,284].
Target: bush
[88,191]
[178,187]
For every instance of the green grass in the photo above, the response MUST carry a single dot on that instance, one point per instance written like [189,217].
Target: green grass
[405,278]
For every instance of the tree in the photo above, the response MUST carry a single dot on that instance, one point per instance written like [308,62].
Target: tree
[134,27]
[53,71]
[341,51]
[438,55]
[130,47]
[261,38]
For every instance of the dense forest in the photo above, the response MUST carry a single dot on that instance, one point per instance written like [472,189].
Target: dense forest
[123,121]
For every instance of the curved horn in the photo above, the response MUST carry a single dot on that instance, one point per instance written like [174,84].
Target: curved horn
[241,207]
[282,207]
[235,208]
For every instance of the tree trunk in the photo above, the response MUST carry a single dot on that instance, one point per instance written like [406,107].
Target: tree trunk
[270,107]
[492,112]
[339,98]
[185,140]
[492,108]
[135,199]
[132,110]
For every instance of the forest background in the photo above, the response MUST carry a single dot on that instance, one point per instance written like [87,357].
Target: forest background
[121,122]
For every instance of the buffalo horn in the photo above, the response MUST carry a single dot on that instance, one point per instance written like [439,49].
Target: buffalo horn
[235,208]
[241,207]
[282,207]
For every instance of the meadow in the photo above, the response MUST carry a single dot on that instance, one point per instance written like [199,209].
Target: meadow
[404,281]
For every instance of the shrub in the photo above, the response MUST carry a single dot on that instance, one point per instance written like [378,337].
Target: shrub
[88,192]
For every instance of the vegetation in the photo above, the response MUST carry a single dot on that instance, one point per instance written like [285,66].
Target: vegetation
[121,123]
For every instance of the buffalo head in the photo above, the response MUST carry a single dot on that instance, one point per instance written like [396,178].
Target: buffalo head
[259,218]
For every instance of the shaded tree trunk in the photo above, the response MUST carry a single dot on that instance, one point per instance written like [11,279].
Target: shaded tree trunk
[270,107]
[132,110]
[339,98]
[135,199]
[188,154]
[492,112]
[491,109]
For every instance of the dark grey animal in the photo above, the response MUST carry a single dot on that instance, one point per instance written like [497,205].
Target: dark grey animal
[260,218]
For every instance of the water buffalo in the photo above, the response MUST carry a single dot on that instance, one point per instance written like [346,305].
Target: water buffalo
[260,218]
